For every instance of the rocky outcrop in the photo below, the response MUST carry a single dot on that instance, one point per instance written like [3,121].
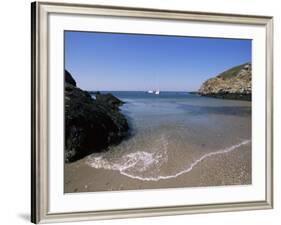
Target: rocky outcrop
[235,83]
[91,125]
[69,79]
[109,100]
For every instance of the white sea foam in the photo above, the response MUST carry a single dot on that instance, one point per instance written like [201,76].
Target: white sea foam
[146,166]
[138,162]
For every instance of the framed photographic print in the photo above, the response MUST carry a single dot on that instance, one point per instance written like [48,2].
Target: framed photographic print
[148,112]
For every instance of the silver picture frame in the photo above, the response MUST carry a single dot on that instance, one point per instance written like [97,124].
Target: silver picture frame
[39,153]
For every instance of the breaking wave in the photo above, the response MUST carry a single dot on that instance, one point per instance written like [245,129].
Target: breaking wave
[146,165]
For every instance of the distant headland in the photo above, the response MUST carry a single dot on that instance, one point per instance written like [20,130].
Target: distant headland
[235,83]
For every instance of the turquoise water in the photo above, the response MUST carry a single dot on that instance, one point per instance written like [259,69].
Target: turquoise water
[174,131]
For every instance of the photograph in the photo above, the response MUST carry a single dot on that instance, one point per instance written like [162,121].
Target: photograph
[145,111]
[141,112]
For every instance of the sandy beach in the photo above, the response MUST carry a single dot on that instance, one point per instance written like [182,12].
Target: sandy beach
[232,168]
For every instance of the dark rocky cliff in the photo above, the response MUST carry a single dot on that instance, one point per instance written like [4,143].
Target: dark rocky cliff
[91,125]
[235,83]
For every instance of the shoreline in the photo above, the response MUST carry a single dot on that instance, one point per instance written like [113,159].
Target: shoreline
[226,96]
[230,168]
[229,96]
[174,141]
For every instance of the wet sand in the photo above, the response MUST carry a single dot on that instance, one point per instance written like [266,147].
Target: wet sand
[231,168]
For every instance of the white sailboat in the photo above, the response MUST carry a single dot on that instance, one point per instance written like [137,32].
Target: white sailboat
[157,92]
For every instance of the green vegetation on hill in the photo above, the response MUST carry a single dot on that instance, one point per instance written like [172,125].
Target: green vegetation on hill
[232,71]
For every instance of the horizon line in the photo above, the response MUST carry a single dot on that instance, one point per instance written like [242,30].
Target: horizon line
[137,90]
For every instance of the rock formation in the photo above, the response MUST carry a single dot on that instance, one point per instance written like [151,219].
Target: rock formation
[91,125]
[235,83]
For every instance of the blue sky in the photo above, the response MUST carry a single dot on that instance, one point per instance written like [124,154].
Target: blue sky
[107,61]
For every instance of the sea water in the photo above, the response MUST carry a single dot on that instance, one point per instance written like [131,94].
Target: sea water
[173,132]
